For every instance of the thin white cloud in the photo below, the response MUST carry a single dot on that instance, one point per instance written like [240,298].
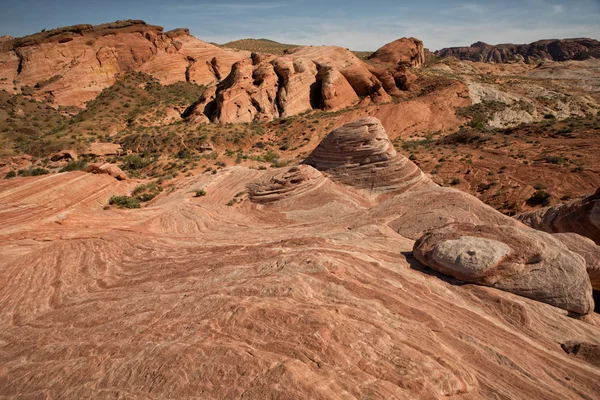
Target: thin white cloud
[228,6]
[472,7]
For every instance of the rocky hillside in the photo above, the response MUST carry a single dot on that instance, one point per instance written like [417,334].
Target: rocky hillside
[72,65]
[552,49]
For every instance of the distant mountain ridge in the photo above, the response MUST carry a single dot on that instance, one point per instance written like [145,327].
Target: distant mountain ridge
[548,49]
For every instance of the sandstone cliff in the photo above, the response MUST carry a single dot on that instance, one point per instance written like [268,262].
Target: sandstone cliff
[552,49]
[71,65]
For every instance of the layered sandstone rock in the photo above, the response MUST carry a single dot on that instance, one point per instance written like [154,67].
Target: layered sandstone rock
[552,49]
[280,185]
[263,87]
[581,216]
[360,154]
[519,260]
[306,288]
[72,65]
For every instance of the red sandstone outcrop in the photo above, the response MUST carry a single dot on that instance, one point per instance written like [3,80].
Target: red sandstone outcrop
[72,65]
[360,154]
[581,216]
[306,78]
[392,62]
[523,261]
[304,289]
[408,51]
[552,49]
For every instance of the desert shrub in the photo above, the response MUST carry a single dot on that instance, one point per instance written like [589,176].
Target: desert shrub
[455,181]
[33,171]
[540,197]
[477,124]
[200,193]
[555,160]
[146,192]
[10,174]
[124,202]
[74,166]
[549,116]
[134,162]
[578,168]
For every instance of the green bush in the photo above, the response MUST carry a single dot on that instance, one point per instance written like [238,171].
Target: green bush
[146,192]
[124,202]
[134,162]
[200,193]
[549,116]
[10,174]
[74,166]
[455,181]
[33,171]
[540,197]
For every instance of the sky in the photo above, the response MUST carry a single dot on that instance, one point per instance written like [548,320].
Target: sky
[355,24]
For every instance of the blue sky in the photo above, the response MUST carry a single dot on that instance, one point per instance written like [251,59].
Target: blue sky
[356,24]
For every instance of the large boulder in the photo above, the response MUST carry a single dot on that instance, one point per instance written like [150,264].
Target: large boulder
[523,261]
[580,216]
[108,169]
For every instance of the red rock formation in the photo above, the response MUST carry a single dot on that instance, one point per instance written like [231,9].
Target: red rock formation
[72,65]
[553,49]
[264,88]
[401,51]
[360,154]
[306,289]
[391,64]
[580,216]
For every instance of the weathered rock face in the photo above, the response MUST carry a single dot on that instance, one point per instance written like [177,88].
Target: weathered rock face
[408,51]
[336,91]
[553,49]
[519,260]
[391,64]
[581,216]
[72,65]
[360,154]
[588,250]
[264,88]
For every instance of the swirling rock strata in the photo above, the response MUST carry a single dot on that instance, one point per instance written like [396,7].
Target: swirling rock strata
[360,154]
[281,185]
